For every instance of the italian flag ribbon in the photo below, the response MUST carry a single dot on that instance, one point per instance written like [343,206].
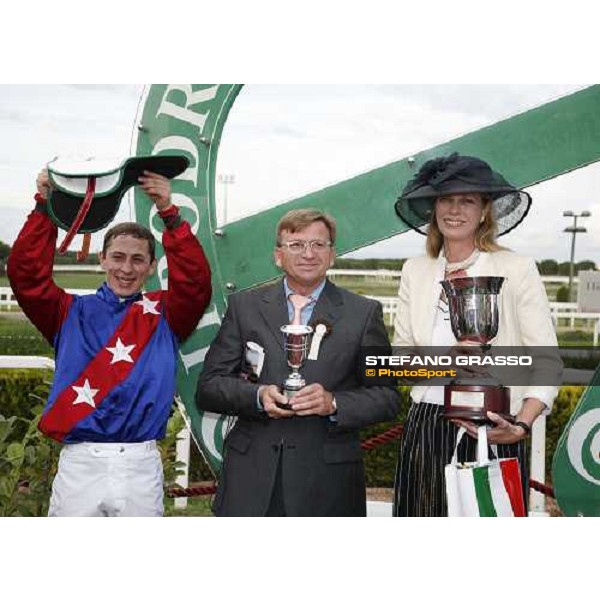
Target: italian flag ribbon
[107,370]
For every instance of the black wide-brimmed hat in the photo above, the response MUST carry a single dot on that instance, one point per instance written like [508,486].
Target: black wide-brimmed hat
[457,174]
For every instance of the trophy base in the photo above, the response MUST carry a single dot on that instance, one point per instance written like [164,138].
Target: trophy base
[472,402]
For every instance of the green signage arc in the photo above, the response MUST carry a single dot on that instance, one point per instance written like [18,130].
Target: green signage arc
[189,119]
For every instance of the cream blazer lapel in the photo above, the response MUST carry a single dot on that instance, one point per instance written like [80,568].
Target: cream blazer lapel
[514,270]
[427,273]
[418,300]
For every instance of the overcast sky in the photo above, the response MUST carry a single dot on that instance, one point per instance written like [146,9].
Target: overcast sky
[284,141]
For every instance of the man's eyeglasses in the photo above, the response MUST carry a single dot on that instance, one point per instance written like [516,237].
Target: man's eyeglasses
[298,247]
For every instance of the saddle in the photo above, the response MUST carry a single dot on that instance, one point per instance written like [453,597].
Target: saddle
[85,195]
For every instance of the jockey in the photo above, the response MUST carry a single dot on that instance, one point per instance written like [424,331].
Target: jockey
[116,353]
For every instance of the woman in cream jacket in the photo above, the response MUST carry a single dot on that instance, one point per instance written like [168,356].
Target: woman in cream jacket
[466,205]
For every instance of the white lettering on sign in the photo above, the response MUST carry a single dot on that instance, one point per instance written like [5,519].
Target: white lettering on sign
[162,272]
[186,112]
[193,358]
[210,317]
[179,200]
[182,200]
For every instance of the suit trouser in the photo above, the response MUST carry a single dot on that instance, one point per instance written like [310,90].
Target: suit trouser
[108,480]
[276,504]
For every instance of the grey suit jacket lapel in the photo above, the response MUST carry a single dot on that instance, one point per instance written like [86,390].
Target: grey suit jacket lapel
[273,308]
[329,305]
[329,309]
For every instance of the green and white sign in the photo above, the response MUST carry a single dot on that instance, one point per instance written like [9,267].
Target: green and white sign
[188,119]
[576,465]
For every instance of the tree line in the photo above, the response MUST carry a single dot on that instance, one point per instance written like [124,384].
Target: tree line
[546,267]
[68,258]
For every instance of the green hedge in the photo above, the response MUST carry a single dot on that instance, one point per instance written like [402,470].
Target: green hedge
[380,462]
[564,406]
[27,458]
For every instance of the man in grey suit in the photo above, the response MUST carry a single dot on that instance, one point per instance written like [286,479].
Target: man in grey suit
[300,457]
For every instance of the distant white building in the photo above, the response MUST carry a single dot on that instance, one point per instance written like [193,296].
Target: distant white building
[588,291]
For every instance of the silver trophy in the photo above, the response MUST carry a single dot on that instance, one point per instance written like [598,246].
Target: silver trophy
[296,344]
[473,309]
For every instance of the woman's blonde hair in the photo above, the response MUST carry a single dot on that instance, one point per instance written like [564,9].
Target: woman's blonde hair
[485,236]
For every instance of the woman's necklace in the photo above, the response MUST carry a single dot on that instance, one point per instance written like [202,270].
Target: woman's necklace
[453,269]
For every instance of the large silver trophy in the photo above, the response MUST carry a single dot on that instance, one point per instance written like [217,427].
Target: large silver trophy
[296,344]
[473,309]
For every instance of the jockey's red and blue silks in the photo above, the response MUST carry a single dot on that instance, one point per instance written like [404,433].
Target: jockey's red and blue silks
[112,395]
[115,358]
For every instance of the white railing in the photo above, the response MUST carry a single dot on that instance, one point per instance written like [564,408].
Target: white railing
[7,298]
[26,362]
[393,274]
[78,268]
[586,317]
[377,274]
[559,310]
[563,306]
[389,305]
[559,279]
